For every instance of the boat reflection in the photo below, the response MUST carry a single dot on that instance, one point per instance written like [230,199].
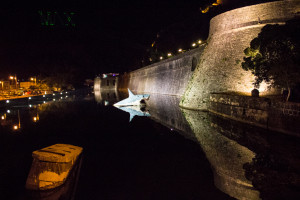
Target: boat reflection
[135,111]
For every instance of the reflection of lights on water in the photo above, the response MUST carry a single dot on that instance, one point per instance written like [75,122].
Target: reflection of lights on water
[7,101]
[8,111]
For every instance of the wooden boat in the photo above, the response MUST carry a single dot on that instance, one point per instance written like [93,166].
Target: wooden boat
[51,166]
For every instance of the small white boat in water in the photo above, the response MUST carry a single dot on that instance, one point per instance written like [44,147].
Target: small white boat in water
[133,100]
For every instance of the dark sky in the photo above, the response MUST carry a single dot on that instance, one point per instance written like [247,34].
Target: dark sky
[102,36]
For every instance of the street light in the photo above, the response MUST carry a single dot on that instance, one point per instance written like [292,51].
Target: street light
[16,80]
[33,79]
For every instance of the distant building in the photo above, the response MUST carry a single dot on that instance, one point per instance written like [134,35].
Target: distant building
[4,85]
[26,84]
[106,82]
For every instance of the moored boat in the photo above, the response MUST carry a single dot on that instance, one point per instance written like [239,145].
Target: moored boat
[51,166]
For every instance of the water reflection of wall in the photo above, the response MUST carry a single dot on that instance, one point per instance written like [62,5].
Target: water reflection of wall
[165,110]
[226,156]
[106,97]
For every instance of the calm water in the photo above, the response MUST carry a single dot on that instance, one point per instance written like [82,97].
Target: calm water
[171,154]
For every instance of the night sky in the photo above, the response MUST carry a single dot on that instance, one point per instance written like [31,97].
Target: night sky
[100,37]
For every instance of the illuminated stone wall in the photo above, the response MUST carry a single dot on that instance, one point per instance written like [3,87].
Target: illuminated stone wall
[219,70]
[108,83]
[169,76]
[165,110]
[264,112]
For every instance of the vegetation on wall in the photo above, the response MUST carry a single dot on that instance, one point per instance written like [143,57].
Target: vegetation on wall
[274,56]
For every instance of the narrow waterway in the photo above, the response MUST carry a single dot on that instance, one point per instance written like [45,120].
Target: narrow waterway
[163,152]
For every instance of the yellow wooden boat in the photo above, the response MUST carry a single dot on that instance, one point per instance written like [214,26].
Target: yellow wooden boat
[51,166]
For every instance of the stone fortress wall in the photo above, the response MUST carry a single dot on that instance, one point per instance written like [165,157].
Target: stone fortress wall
[169,76]
[209,77]
[219,69]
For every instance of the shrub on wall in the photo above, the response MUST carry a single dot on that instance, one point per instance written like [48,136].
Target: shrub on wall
[274,56]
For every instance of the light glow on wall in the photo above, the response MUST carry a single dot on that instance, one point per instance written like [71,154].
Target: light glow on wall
[245,85]
[264,87]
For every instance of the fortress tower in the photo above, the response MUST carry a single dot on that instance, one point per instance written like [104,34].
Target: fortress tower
[219,69]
